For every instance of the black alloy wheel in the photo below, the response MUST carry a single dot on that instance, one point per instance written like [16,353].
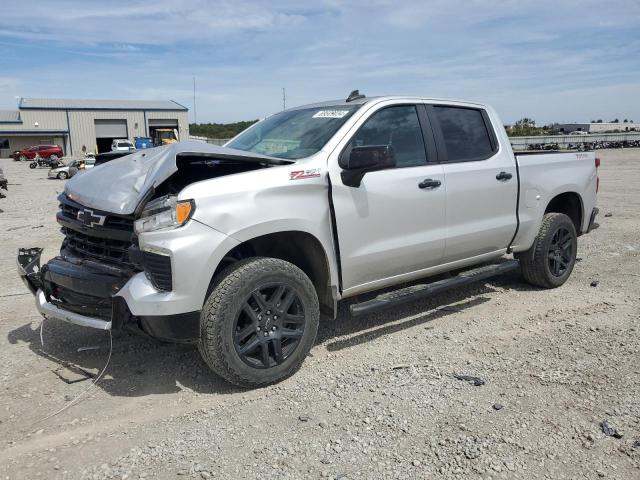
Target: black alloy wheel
[270,325]
[560,252]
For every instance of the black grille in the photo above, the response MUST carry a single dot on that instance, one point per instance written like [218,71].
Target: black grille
[158,270]
[97,248]
[107,243]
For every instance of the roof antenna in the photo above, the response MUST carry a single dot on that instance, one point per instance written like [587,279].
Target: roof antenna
[355,95]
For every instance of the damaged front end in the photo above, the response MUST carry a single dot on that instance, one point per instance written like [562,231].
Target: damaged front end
[100,254]
[38,283]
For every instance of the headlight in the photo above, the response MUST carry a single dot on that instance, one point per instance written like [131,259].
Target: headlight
[164,213]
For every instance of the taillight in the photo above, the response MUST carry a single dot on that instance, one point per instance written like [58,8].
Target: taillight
[598,176]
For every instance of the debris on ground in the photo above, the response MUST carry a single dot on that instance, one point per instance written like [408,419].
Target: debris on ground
[636,444]
[595,283]
[498,406]
[609,430]
[608,214]
[475,381]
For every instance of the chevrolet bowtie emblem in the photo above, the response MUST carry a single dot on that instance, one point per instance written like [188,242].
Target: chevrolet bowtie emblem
[90,219]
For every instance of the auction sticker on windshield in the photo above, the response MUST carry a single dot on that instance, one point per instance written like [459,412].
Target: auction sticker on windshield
[330,114]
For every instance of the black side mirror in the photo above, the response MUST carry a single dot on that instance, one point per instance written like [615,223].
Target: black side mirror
[357,161]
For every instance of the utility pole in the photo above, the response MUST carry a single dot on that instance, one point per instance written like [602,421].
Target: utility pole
[284,99]
[195,115]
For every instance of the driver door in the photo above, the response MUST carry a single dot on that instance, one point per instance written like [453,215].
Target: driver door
[391,225]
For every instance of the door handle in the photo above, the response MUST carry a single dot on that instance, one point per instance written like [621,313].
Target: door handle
[503,176]
[429,183]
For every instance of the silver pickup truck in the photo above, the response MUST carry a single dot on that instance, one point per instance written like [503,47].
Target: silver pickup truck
[242,248]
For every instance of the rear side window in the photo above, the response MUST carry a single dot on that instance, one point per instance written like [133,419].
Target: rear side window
[398,127]
[465,134]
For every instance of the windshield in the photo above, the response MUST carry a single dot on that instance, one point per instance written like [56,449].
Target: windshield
[294,134]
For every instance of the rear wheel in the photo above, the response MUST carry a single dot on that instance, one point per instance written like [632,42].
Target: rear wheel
[550,260]
[33,164]
[259,322]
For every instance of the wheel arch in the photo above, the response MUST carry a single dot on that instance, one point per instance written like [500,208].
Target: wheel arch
[300,248]
[569,203]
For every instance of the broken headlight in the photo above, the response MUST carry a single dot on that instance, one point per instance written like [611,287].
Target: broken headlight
[164,213]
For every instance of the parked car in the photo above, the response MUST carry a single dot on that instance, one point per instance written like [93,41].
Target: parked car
[143,142]
[240,249]
[53,152]
[70,169]
[122,145]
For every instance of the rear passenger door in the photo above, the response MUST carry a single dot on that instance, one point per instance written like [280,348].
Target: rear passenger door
[481,182]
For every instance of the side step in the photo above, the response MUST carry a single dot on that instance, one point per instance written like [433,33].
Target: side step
[414,292]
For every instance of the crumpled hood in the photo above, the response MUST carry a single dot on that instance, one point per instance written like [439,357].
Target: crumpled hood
[118,186]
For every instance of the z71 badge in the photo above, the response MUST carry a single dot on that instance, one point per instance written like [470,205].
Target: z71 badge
[302,174]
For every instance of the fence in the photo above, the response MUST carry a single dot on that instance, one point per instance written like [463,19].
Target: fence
[520,143]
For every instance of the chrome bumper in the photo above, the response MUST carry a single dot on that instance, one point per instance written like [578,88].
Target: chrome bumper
[49,310]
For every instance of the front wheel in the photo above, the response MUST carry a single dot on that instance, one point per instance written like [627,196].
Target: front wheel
[259,322]
[550,260]
[33,164]
[63,175]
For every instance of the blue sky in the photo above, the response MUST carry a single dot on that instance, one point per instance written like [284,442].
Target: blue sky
[554,61]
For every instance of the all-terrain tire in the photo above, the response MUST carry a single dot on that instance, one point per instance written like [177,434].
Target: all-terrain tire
[535,263]
[230,291]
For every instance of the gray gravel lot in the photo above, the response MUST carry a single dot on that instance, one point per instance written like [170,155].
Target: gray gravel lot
[376,398]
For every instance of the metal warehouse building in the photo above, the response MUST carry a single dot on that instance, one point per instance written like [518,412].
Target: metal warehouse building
[92,124]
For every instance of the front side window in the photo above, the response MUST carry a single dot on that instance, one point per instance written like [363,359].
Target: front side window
[397,127]
[465,134]
[294,134]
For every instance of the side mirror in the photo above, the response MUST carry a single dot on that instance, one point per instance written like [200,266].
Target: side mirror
[357,161]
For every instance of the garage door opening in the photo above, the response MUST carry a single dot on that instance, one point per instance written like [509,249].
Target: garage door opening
[107,131]
[163,132]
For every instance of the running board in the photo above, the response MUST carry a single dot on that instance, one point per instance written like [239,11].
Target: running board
[414,292]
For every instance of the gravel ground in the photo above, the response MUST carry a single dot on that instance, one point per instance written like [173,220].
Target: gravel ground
[377,398]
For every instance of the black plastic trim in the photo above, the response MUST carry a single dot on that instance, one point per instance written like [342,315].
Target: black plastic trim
[179,328]
[334,232]
[513,239]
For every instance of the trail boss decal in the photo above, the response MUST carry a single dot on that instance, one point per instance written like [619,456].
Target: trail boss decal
[302,174]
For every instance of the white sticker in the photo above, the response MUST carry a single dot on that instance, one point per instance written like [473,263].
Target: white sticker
[330,114]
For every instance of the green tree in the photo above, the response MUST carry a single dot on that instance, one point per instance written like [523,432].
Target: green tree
[525,127]
[219,130]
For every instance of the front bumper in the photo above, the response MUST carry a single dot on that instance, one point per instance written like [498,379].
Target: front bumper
[49,310]
[91,295]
